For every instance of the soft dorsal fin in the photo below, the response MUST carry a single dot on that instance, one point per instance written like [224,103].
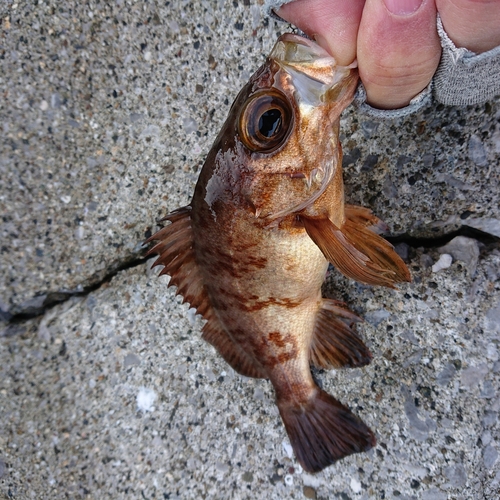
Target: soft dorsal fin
[357,252]
[175,250]
[335,343]
[234,355]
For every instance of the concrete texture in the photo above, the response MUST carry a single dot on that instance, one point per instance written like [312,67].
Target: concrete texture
[107,112]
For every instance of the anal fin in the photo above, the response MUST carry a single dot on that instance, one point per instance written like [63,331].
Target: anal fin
[357,252]
[335,343]
[322,430]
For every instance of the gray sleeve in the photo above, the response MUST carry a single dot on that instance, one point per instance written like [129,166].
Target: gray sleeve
[462,77]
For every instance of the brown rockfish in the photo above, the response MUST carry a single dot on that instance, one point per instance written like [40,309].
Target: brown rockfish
[251,250]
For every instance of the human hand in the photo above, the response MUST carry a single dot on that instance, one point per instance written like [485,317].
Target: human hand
[395,41]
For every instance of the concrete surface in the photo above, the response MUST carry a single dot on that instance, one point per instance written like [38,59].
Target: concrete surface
[107,112]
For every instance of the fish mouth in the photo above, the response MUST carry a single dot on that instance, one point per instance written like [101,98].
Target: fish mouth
[294,48]
[314,71]
[316,79]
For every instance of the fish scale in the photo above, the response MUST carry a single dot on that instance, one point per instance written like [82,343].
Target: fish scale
[251,251]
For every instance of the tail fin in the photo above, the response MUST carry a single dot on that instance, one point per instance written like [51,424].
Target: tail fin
[323,430]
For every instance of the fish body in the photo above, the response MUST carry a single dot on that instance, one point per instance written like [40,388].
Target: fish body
[251,251]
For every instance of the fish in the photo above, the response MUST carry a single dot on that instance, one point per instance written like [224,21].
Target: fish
[251,251]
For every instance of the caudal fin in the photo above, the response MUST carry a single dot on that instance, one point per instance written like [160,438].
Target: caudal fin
[323,430]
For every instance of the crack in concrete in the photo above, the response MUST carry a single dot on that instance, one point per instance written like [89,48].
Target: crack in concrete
[43,302]
[439,241]
[50,299]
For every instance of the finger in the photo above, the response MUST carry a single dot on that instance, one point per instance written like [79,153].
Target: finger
[398,50]
[471,24]
[332,23]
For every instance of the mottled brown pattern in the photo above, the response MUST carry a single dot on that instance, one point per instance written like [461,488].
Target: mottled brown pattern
[277,339]
[274,348]
[251,305]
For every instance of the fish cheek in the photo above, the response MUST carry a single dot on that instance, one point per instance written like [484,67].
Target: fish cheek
[275,189]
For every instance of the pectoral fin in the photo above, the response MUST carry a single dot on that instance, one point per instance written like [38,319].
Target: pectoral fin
[379,250]
[357,252]
[365,217]
[335,343]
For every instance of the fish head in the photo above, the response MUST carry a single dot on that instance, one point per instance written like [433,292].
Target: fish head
[278,153]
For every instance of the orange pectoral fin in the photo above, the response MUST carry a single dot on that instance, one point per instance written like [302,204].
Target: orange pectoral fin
[379,250]
[365,217]
[357,252]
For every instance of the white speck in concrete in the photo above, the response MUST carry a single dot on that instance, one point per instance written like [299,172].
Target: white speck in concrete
[189,125]
[472,375]
[145,399]
[477,152]
[287,447]
[311,480]
[355,485]
[492,319]
[191,315]
[444,262]
[490,456]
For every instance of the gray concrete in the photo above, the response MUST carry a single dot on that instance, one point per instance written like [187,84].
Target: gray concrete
[107,112]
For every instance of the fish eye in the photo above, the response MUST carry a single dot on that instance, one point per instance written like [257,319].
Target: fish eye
[265,121]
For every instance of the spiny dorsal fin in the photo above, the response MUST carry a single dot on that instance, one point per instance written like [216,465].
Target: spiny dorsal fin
[357,252]
[175,248]
[175,252]
[335,343]
[323,430]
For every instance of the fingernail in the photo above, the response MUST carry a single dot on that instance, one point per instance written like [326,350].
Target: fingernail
[402,7]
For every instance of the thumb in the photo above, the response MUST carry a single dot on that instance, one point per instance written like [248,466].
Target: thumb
[398,50]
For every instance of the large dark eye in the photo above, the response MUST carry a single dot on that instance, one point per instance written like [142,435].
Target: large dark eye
[265,121]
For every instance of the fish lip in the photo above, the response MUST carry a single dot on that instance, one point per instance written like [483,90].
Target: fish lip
[316,75]
[295,50]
